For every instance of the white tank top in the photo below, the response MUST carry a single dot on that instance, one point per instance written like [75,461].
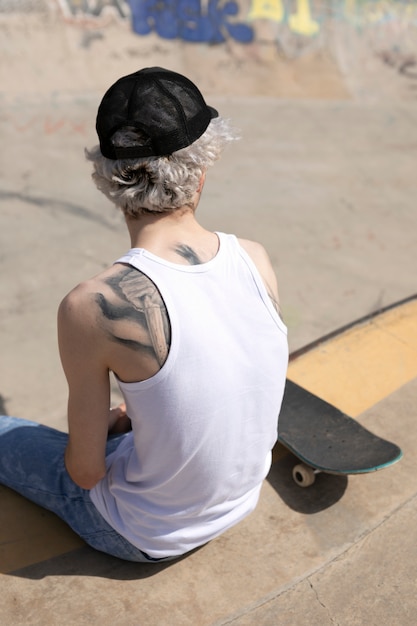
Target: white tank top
[203,427]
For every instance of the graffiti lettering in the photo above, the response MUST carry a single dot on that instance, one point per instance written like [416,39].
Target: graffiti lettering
[93,8]
[300,22]
[267,10]
[185,19]
[379,11]
[213,21]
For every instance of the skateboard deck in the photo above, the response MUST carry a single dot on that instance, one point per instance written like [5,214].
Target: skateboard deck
[327,440]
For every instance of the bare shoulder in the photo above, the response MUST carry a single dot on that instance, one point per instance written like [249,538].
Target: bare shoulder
[83,297]
[80,311]
[79,302]
[261,259]
[121,314]
[256,251]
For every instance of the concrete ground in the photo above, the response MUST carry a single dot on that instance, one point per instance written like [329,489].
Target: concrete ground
[340,552]
[329,188]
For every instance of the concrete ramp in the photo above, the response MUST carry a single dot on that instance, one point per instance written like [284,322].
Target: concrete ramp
[287,48]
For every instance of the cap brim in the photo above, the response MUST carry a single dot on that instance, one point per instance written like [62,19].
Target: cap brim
[213,112]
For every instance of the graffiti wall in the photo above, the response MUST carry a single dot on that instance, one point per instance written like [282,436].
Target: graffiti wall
[214,21]
[345,42]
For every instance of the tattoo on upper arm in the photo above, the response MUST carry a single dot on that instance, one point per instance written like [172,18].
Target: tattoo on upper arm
[136,301]
[187,253]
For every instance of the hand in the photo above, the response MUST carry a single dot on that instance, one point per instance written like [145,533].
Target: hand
[119,421]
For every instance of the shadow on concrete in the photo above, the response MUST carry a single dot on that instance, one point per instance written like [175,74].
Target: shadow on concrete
[86,561]
[3,410]
[324,493]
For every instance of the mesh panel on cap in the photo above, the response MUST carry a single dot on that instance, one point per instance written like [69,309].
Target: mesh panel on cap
[163,105]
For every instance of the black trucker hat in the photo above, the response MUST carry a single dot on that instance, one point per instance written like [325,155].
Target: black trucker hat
[165,106]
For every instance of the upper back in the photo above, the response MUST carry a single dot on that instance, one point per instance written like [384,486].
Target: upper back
[204,423]
[130,315]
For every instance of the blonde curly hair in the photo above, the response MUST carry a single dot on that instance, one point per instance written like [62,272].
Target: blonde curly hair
[158,184]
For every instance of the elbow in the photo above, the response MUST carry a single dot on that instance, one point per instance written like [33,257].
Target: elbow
[87,481]
[86,478]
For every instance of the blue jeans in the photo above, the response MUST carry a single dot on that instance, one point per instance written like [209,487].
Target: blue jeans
[32,463]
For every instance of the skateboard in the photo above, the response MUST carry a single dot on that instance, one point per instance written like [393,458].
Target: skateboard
[325,439]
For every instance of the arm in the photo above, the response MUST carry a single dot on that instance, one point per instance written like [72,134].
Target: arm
[263,264]
[89,388]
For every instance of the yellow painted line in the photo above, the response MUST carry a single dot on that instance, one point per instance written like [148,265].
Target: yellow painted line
[365,363]
[29,534]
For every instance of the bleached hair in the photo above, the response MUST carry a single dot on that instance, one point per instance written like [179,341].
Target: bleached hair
[158,184]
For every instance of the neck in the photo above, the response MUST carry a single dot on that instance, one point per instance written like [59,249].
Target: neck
[173,235]
[149,227]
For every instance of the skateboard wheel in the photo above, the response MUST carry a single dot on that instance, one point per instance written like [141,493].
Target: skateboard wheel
[303,475]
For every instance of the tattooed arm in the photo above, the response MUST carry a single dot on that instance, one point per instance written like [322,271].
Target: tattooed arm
[87,375]
[115,322]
